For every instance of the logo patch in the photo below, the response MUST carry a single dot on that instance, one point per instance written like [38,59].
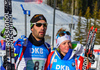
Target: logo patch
[73,64]
[41,17]
[55,60]
[36,50]
[37,16]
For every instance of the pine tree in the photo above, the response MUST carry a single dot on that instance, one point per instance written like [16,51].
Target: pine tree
[59,4]
[66,6]
[78,36]
[96,23]
[49,2]
[87,16]
[85,5]
[95,14]
[98,32]
[79,4]
[86,25]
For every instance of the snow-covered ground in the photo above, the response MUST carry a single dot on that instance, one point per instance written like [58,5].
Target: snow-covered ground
[47,11]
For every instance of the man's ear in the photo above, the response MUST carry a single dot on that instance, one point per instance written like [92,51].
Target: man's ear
[31,29]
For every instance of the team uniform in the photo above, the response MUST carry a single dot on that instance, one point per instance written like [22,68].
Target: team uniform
[56,62]
[35,54]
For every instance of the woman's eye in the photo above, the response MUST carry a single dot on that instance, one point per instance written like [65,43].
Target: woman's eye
[69,42]
[64,43]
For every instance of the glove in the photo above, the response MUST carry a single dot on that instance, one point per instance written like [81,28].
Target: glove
[6,64]
[25,42]
[78,50]
[91,58]
[5,61]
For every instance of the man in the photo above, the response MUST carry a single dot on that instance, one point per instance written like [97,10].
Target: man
[36,50]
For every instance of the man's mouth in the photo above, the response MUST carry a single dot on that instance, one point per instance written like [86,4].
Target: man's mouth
[41,32]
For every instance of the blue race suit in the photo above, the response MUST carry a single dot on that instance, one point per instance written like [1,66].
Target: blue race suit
[54,62]
[34,56]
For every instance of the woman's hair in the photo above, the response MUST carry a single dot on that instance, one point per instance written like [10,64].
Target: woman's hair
[61,29]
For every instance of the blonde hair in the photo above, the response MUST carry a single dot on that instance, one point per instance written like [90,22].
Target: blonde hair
[61,29]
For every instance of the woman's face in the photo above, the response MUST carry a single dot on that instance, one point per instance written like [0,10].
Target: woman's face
[65,46]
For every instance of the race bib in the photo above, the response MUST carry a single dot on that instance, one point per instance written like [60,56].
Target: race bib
[35,65]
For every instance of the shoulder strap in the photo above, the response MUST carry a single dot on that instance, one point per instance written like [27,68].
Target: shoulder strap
[52,59]
[47,46]
[48,61]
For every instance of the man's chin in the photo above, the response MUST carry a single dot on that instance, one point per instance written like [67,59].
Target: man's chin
[41,37]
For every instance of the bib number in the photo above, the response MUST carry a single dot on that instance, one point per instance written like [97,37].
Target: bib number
[35,65]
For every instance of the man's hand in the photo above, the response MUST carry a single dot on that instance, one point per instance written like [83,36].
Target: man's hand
[91,58]
[25,42]
[5,61]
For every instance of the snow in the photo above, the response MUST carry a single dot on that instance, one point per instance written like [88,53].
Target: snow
[47,11]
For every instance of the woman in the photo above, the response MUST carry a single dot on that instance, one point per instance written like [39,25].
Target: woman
[63,58]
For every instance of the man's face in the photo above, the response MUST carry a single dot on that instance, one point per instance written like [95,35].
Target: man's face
[39,31]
